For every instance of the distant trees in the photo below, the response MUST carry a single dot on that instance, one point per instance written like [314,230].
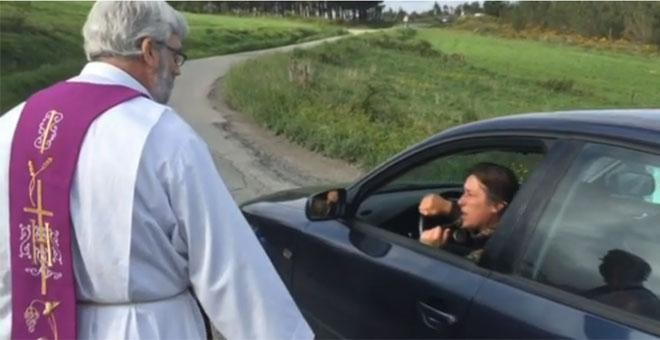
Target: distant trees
[471,8]
[495,8]
[361,11]
[436,9]
[632,20]
[635,21]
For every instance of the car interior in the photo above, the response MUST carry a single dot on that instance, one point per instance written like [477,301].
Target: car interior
[397,212]
[609,209]
[394,206]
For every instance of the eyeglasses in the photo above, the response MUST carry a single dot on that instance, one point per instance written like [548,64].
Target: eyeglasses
[179,57]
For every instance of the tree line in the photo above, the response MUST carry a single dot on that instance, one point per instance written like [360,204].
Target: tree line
[359,11]
[637,21]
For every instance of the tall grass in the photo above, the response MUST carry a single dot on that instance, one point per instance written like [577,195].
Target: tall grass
[365,98]
[41,42]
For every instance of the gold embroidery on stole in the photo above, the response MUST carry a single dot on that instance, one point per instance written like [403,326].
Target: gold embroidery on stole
[38,234]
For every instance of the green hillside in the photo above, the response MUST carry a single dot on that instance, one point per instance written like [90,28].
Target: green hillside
[41,42]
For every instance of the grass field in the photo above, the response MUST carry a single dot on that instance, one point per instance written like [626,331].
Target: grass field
[41,42]
[619,79]
[364,99]
[491,26]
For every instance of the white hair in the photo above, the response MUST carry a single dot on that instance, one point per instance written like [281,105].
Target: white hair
[116,28]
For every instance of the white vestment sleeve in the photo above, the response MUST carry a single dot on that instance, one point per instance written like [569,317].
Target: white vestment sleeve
[230,272]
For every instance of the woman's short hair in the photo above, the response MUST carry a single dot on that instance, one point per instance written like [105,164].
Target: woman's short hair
[500,182]
[116,28]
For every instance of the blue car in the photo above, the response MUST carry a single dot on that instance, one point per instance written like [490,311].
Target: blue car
[588,209]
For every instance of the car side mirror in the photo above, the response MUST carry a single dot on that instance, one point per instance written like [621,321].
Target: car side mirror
[326,205]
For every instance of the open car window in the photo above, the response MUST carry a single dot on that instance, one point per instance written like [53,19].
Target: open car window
[393,206]
[449,171]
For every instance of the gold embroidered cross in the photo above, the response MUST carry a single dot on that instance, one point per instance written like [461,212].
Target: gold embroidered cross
[41,235]
[39,209]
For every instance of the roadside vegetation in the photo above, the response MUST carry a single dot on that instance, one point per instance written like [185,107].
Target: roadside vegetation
[41,42]
[633,21]
[365,98]
[492,26]
[613,25]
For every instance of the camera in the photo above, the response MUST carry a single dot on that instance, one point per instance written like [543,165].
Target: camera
[458,235]
[428,222]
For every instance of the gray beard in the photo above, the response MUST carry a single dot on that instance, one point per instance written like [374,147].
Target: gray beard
[164,84]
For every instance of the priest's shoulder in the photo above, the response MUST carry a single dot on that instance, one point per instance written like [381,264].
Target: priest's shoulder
[167,119]
[173,130]
[12,114]
[8,123]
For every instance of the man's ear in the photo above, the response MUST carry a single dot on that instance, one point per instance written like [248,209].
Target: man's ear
[150,53]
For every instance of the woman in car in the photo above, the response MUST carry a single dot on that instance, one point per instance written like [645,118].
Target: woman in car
[487,191]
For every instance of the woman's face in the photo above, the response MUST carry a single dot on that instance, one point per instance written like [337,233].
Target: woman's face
[478,212]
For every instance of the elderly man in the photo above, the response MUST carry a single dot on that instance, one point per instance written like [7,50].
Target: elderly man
[113,217]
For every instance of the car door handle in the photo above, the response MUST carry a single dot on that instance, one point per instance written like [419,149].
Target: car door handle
[434,318]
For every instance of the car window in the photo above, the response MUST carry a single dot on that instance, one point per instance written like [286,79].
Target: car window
[598,237]
[393,206]
[450,170]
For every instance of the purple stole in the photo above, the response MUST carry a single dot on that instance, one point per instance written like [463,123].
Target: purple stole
[44,154]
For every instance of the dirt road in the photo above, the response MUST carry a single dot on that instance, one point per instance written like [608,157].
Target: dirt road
[251,160]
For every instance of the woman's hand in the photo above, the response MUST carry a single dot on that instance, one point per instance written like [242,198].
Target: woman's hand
[436,237]
[433,205]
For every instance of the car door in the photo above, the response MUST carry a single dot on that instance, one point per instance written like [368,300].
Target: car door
[358,284]
[583,260]
[367,276]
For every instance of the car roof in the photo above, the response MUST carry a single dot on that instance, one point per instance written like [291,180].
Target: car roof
[638,125]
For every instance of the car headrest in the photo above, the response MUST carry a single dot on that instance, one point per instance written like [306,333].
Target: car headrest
[629,183]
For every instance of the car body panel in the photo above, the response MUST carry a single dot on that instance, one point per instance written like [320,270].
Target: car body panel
[505,311]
